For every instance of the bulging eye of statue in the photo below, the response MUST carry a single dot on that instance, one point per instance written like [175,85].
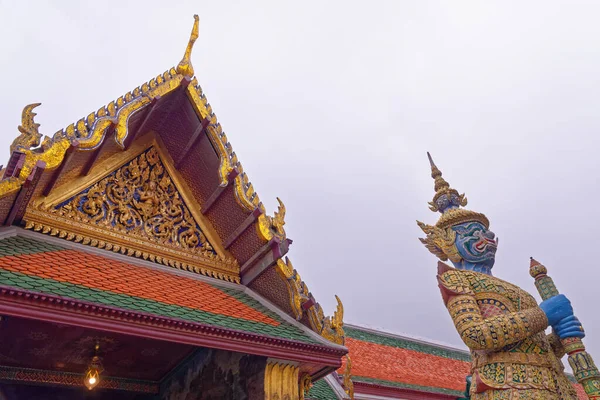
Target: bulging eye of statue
[443,203]
[454,200]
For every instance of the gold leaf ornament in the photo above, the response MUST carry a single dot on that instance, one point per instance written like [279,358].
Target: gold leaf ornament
[440,242]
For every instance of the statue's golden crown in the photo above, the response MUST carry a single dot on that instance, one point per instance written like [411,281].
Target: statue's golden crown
[440,238]
[448,201]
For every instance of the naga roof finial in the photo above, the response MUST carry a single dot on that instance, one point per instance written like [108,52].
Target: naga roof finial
[185,65]
[30,136]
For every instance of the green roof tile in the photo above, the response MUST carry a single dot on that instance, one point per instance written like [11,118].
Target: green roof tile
[407,386]
[15,255]
[65,289]
[321,391]
[405,343]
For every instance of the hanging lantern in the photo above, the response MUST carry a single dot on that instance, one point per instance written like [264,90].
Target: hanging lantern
[92,375]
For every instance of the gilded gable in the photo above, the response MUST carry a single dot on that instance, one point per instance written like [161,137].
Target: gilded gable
[137,210]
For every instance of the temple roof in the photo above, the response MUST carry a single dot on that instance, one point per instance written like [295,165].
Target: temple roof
[54,273]
[382,359]
[41,267]
[395,366]
[153,176]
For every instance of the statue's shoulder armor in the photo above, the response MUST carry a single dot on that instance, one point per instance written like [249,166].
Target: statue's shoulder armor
[453,282]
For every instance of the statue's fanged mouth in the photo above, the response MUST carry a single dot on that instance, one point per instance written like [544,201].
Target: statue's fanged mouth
[482,244]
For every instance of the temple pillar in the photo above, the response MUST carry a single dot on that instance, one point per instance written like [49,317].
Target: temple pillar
[281,381]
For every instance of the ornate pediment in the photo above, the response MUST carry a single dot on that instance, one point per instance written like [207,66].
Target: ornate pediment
[137,210]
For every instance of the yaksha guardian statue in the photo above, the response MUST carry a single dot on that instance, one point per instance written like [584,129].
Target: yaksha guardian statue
[512,357]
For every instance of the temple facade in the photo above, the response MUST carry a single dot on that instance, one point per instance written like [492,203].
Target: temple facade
[138,262]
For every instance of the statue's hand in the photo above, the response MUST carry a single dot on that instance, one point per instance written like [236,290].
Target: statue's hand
[557,308]
[569,327]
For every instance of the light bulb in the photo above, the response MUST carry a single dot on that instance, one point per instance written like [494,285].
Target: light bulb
[92,380]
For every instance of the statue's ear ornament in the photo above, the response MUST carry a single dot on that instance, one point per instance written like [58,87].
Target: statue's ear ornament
[440,242]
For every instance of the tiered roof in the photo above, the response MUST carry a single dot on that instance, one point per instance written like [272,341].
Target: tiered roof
[58,276]
[395,366]
[40,267]
[159,145]
[141,213]
[381,360]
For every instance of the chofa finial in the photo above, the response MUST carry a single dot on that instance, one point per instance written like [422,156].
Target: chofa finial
[185,65]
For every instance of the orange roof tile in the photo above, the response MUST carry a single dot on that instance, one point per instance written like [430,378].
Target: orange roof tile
[383,359]
[38,266]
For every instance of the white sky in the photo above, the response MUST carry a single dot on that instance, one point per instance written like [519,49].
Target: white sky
[332,105]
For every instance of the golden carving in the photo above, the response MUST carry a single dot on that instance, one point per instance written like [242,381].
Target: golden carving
[332,328]
[136,210]
[281,381]
[448,201]
[305,385]
[10,185]
[348,384]
[185,65]
[442,187]
[297,289]
[270,227]
[440,242]
[245,195]
[91,130]
[457,216]
[30,136]
[53,154]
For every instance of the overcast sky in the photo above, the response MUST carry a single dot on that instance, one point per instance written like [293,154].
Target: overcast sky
[332,106]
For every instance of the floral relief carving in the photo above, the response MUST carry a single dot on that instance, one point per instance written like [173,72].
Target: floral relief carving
[141,199]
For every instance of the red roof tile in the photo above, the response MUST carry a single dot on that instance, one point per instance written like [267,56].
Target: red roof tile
[405,363]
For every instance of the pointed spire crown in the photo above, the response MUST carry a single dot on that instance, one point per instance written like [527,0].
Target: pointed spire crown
[445,197]
[448,202]
[441,238]
[436,174]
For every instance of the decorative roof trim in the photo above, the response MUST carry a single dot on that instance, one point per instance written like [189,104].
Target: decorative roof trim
[245,195]
[61,378]
[10,231]
[43,215]
[51,308]
[303,303]
[89,132]
[283,315]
